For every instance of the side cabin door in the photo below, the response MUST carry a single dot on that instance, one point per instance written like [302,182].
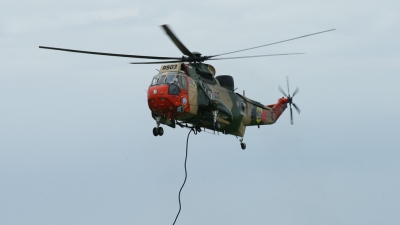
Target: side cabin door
[192,95]
[183,83]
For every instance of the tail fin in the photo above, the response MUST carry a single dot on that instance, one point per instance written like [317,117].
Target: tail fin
[278,108]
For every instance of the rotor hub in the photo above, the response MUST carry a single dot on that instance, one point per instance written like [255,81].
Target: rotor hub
[197,54]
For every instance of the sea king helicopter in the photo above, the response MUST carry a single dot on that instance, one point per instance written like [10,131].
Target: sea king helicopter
[187,93]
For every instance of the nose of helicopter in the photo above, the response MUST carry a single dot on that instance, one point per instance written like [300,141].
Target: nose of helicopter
[165,100]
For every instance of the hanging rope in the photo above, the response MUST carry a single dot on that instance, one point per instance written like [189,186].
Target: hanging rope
[179,195]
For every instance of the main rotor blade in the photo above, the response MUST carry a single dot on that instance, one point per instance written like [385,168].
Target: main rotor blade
[176,41]
[253,56]
[110,54]
[280,89]
[274,43]
[160,62]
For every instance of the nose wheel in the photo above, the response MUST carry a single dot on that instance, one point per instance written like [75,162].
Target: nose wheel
[158,131]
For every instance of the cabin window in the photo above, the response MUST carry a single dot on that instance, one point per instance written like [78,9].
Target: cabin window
[242,106]
[209,94]
[191,82]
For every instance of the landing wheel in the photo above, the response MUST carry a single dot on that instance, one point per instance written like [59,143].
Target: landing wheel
[217,125]
[243,145]
[155,131]
[160,131]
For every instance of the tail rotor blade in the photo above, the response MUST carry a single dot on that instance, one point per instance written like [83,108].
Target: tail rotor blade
[280,89]
[291,115]
[289,99]
[287,83]
[297,108]
[295,92]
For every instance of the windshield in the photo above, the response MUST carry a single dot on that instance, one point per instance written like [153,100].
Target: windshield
[170,78]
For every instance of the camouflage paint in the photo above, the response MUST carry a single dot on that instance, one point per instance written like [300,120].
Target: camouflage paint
[205,95]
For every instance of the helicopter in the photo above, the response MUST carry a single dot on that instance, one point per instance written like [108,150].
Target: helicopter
[186,92]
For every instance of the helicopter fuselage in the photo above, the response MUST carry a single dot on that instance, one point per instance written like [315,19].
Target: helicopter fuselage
[188,93]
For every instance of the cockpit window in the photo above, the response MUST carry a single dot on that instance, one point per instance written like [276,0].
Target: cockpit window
[170,78]
[162,79]
[182,81]
[155,79]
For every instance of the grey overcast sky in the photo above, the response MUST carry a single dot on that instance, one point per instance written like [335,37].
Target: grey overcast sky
[75,130]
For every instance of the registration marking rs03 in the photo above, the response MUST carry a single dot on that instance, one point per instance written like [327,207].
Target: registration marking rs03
[170,67]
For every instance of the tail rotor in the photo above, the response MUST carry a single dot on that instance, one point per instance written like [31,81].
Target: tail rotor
[290,99]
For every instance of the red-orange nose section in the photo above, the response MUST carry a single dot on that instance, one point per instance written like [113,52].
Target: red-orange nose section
[162,101]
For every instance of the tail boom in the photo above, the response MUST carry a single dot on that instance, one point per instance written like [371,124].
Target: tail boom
[265,115]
